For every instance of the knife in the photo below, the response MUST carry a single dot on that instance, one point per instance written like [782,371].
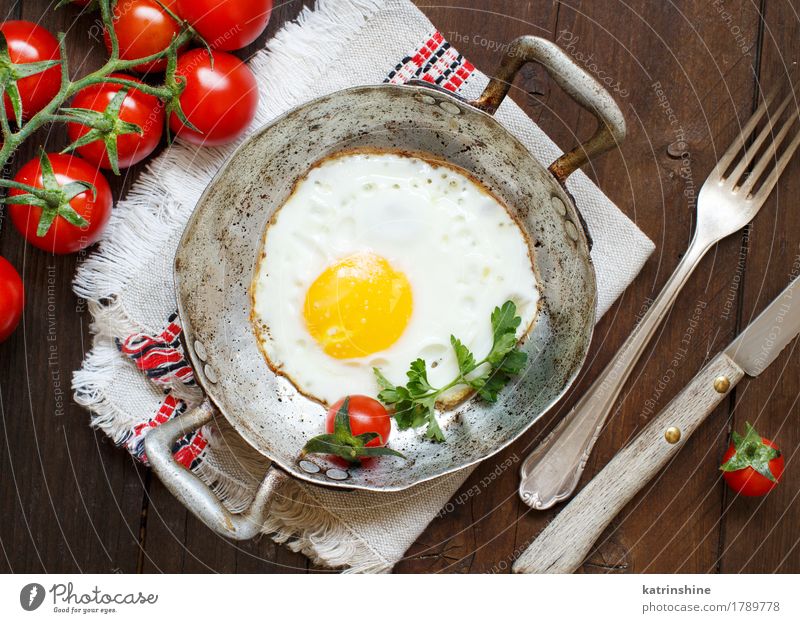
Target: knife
[564,544]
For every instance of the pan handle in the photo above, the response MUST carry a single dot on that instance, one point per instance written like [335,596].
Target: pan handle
[193,492]
[576,82]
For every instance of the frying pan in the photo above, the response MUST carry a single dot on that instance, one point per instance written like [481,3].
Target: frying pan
[218,254]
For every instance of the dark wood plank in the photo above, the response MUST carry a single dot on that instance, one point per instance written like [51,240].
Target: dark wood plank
[74,503]
[760,535]
[70,499]
[706,83]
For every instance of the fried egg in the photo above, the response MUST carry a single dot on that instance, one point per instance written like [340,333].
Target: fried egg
[375,260]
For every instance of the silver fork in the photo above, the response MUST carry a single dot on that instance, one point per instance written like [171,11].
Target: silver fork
[725,205]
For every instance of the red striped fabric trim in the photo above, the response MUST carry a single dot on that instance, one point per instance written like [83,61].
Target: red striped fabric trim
[188,450]
[435,61]
[161,356]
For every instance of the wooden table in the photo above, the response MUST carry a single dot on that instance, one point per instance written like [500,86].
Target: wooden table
[72,502]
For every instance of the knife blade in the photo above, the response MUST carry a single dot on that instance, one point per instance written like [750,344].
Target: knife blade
[564,544]
[774,328]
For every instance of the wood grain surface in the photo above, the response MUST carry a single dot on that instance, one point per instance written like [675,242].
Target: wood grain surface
[73,502]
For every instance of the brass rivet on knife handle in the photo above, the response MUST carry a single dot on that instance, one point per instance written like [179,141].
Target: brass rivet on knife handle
[722,384]
[672,434]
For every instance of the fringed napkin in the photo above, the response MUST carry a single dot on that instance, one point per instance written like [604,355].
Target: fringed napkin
[136,376]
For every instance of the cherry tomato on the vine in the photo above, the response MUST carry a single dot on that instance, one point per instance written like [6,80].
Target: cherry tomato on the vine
[220,102]
[143,28]
[227,24]
[30,43]
[12,298]
[752,465]
[367,415]
[62,236]
[140,109]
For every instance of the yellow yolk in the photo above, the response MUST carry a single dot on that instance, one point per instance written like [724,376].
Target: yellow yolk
[358,306]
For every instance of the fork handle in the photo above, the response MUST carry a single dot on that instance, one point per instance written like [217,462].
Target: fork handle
[552,471]
[564,544]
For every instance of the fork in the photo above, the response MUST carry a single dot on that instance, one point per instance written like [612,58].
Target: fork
[727,202]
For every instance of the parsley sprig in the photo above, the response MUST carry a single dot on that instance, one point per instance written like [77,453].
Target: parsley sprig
[414,404]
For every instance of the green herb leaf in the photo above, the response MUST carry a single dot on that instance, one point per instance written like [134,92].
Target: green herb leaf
[408,413]
[415,404]
[504,328]
[432,432]
[418,385]
[389,394]
[465,359]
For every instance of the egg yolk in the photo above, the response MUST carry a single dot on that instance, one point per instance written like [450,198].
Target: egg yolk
[358,306]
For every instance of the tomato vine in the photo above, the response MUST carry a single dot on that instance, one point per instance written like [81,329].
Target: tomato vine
[53,112]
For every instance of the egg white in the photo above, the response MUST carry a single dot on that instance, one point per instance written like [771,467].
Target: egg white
[457,245]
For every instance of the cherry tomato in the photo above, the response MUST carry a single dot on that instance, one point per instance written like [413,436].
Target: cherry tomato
[30,43]
[227,24]
[367,415]
[143,28]
[138,108]
[12,298]
[63,237]
[220,102]
[752,465]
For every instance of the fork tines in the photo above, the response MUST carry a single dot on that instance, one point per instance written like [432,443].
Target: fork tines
[757,153]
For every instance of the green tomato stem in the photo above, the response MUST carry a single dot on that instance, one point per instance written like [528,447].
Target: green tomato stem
[11,139]
[18,186]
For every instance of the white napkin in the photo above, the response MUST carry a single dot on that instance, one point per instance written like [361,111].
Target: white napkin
[135,376]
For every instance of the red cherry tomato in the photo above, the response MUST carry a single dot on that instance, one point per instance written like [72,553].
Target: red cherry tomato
[753,455]
[139,108]
[63,237]
[220,102]
[367,415]
[143,28]
[12,298]
[29,43]
[227,24]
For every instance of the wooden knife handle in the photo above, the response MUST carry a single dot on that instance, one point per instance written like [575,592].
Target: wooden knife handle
[564,544]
